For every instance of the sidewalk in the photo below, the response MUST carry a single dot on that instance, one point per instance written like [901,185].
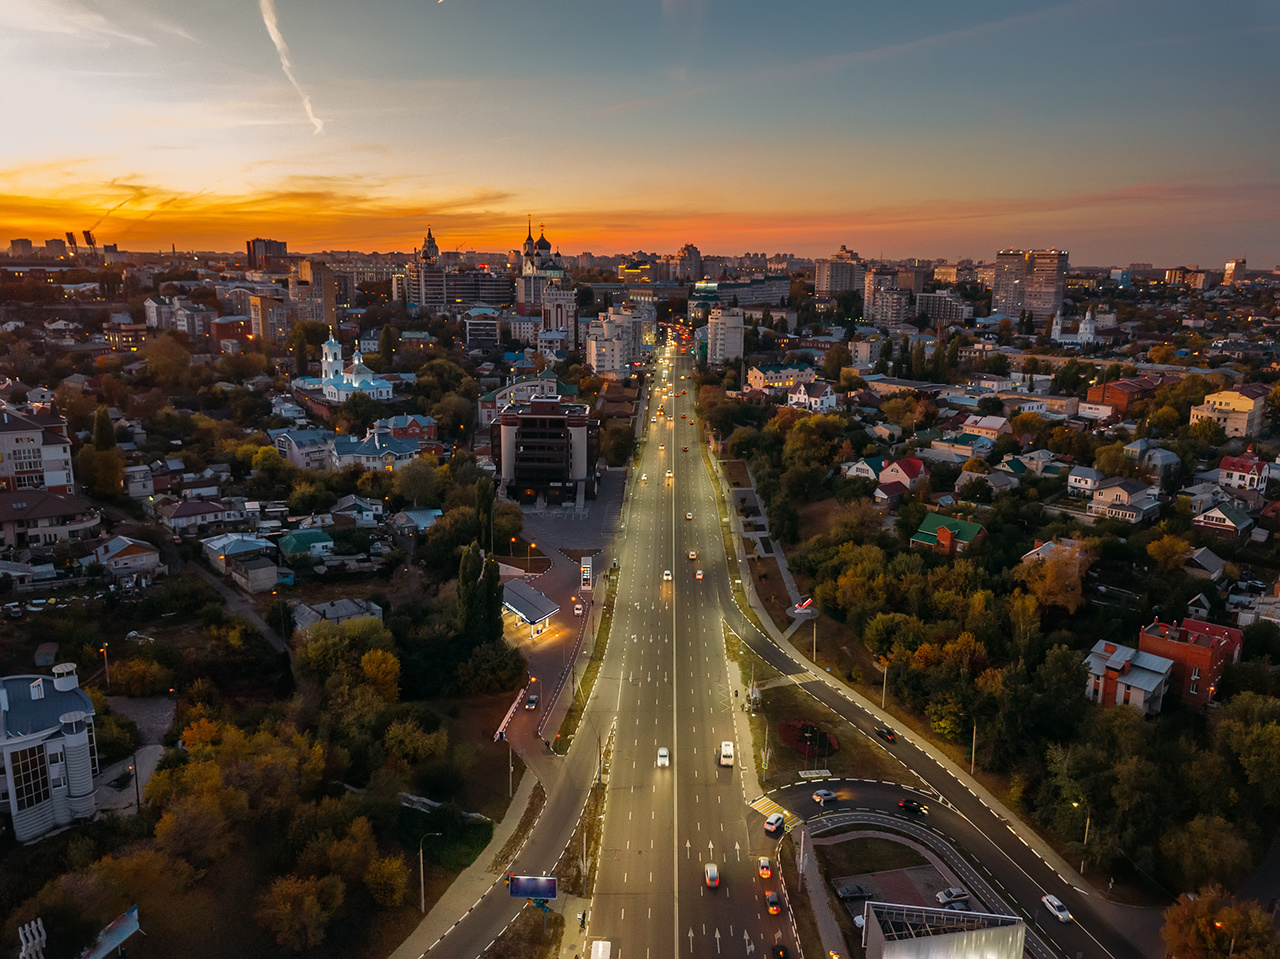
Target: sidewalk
[833,943]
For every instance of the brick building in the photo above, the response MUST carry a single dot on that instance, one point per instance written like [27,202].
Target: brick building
[1199,652]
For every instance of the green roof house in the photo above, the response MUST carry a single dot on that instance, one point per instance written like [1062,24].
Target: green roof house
[947,534]
[313,541]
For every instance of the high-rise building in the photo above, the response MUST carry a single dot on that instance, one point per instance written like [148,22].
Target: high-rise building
[944,308]
[313,293]
[724,335]
[262,252]
[878,282]
[19,248]
[55,248]
[269,319]
[546,447]
[1029,280]
[539,269]
[1234,273]
[843,271]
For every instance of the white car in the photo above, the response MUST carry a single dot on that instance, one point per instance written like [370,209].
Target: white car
[666,575]
[823,796]
[1055,906]
[711,874]
[726,753]
[577,609]
[644,477]
[950,895]
[774,822]
[664,757]
[698,575]
[688,516]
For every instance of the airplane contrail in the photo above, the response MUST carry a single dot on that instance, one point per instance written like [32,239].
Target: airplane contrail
[272,23]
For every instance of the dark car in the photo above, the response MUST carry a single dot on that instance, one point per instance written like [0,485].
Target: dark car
[779,951]
[887,734]
[913,807]
[852,892]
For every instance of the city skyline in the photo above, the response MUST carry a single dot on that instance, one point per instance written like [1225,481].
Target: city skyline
[1122,132]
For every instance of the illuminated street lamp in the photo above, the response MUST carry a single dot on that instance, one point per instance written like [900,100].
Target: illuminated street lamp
[106,664]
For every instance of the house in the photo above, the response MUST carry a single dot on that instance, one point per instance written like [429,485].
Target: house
[338,611]
[966,445]
[314,542]
[1043,550]
[379,450]
[1225,520]
[992,427]
[1198,650]
[254,574]
[1202,496]
[1204,563]
[909,471]
[48,750]
[869,467]
[138,482]
[37,519]
[779,376]
[889,494]
[124,557]
[1122,675]
[1242,472]
[948,535]
[221,551]
[363,511]
[1129,500]
[816,396]
[1238,411]
[305,449]
[996,481]
[190,515]
[886,432]
[1199,607]
[412,521]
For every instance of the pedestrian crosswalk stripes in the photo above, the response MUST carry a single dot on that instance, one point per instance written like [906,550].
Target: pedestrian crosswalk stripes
[767,807]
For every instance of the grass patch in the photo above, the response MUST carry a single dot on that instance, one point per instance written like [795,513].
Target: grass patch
[533,934]
[573,718]
[857,758]
[735,471]
[730,552]
[471,722]
[853,857]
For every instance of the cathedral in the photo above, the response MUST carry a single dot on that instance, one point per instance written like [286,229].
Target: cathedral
[541,269]
[339,383]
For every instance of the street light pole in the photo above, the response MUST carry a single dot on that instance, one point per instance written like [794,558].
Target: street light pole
[422,875]
[884,685]
[106,664]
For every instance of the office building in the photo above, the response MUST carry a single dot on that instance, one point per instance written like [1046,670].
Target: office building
[313,293]
[944,308]
[50,753]
[724,335]
[546,448]
[265,254]
[1029,280]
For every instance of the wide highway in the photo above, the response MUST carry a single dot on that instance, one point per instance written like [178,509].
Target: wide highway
[663,824]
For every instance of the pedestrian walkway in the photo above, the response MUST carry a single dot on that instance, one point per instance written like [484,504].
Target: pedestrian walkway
[833,943]
[767,807]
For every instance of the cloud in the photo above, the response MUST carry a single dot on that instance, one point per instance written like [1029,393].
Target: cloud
[272,22]
[65,18]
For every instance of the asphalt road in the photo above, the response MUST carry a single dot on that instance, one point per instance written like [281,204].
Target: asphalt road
[664,824]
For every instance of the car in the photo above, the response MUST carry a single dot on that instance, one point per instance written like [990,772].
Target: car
[681,376]
[531,702]
[774,822]
[686,449]
[1055,906]
[644,477]
[669,474]
[666,575]
[664,756]
[688,516]
[779,951]
[764,868]
[693,554]
[772,902]
[852,892]
[916,808]
[698,575]
[577,609]
[13,610]
[887,734]
[958,906]
[662,447]
[726,753]
[821,796]
[711,875]
[951,894]
[653,419]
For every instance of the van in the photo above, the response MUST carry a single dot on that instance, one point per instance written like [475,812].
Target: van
[600,949]
[726,753]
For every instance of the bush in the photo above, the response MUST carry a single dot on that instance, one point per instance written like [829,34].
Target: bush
[439,780]
[140,677]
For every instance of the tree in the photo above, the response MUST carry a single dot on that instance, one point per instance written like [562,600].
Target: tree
[619,442]
[1055,579]
[1169,552]
[836,359]
[387,879]
[417,481]
[104,434]
[905,411]
[1209,925]
[484,493]
[1112,460]
[358,412]
[453,413]
[388,339]
[167,359]
[298,911]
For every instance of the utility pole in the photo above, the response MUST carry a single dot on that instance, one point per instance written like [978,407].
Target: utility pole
[973,754]
[884,685]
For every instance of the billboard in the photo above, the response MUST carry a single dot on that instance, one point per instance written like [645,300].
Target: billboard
[586,572]
[532,887]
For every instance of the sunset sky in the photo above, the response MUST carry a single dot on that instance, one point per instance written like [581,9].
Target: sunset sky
[1121,130]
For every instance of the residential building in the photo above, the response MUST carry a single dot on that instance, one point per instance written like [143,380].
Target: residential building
[1122,675]
[992,427]
[1199,652]
[816,396]
[779,376]
[195,515]
[1225,520]
[909,471]
[1123,394]
[305,449]
[560,314]
[944,308]
[1242,472]
[269,319]
[221,551]
[339,611]
[724,335]
[123,557]
[869,467]
[484,329]
[378,450]
[125,337]
[412,521]
[842,272]
[546,447]
[1124,499]
[1235,271]
[314,542]
[254,574]
[265,254]
[1238,411]
[1083,481]
[35,452]
[964,445]
[50,753]
[1029,280]
[948,535]
[39,520]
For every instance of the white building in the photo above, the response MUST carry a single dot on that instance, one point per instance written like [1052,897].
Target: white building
[339,384]
[724,335]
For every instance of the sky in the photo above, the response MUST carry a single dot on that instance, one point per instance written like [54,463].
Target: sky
[1120,130]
